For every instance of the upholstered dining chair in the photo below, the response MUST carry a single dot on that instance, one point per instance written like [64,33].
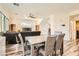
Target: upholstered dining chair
[22,43]
[2,46]
[49,49]
[14,48]
[57,32]
[59,43]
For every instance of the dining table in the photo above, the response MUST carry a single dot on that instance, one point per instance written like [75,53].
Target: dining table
[35,40]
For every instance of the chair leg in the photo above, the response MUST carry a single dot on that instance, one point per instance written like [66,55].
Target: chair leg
[62,48]
[61,52]
[55,52]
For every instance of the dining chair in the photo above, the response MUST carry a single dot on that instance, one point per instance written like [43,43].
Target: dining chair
[12,48]
[25,46]
[2,46]
[57,32]
[49,49]
[59,44]
[22,43]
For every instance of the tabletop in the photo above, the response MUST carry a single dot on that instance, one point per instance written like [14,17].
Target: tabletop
[36,39]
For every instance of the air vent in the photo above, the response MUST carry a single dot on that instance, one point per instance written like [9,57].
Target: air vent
[16,4]
[31,15]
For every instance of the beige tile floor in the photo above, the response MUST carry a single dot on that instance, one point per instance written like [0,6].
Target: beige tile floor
[71,48]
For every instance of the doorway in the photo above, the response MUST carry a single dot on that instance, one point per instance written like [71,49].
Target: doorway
[72,28]
[77,29]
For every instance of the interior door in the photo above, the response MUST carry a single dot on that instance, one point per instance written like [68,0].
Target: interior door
[72,29]
[77,29]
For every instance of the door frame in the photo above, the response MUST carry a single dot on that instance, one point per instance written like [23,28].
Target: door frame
[76,28]
[72,28]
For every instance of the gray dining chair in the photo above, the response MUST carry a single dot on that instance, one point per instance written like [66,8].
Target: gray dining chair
[21,43]
[49,49]
[25,46]
[59,43]
[2,46]
[57,32]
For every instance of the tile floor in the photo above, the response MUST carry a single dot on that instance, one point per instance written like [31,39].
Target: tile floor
[71,48]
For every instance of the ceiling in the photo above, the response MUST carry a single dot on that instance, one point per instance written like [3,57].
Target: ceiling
[40,9]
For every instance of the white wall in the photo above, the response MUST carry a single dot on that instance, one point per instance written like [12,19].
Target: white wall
[52,23]
[60,19]
[55,22]
[74,12]
[20,23]
[6,12]
[44,27]
[75,17]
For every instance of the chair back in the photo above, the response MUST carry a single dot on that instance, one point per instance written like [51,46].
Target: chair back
[2,46]
[22,42]
[59,41]
[49,45]
[21,39]
[57,32]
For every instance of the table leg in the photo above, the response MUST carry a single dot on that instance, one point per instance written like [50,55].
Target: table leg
[33,51]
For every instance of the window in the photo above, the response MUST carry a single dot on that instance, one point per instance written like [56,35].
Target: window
[4,23]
